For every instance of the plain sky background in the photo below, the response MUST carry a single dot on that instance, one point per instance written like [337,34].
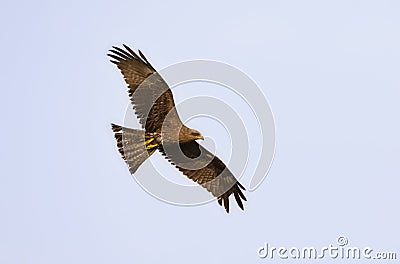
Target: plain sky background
[330,70]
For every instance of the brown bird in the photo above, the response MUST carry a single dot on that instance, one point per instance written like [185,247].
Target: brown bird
[154,105]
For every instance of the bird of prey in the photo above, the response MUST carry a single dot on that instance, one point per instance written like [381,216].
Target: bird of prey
[163,130]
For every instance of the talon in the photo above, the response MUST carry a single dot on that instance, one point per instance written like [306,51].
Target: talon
[148,141]
[151,146]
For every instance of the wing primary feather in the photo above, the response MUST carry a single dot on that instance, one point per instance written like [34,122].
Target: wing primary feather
[239,202]
[226,204]
[114,57]
[123,51]
[122,55]
[145,59]
[131,51]
[241,194]
[241,186]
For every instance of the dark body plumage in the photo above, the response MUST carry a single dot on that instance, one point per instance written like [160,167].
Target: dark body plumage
[154,105]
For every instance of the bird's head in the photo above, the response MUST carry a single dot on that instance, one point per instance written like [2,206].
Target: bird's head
[194,134]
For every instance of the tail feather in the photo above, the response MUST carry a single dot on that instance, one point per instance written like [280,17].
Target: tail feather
[133,146]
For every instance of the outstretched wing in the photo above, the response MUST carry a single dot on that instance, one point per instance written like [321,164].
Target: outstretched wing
[208,170]
[150,95]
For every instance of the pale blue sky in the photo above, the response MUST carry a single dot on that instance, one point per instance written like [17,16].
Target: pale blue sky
[330,70]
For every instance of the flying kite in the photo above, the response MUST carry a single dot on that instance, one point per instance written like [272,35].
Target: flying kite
[154,106]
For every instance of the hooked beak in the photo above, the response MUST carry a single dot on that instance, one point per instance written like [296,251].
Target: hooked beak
[200,137]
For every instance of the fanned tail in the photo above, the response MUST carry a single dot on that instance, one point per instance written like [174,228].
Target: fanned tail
[134,145]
